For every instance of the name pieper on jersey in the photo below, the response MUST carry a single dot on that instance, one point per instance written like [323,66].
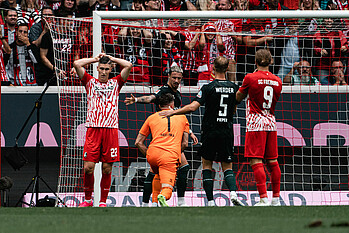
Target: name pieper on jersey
[102,99]
[263,89]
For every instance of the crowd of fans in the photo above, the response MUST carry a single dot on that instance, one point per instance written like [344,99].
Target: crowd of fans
[306,52]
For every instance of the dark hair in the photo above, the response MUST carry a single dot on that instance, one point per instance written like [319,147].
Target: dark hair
[104,60]
[21,24]
[221,64]
[63,8]
[9,9]
[46,7]
[165,99]
[263,57]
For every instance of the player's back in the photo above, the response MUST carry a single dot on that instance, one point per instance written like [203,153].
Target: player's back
[263,89]
[167,132]
[219,100]
[167,89]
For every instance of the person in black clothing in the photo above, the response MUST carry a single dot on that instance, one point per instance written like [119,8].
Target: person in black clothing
[174,78]
[217,135]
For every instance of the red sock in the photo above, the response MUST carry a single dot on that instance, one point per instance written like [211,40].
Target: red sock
[105,186]
[261,179]
[88,185]
[275,178]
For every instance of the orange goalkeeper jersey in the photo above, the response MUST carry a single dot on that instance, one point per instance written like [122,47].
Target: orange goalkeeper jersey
[167,133]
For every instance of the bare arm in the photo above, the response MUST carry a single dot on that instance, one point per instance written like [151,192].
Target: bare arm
[147,99]
[139,143]
[190,6]
[184,143]
[186,109]
[240,96]
[79,64]
[45,61]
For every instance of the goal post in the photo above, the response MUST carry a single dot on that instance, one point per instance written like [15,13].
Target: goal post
[312,119]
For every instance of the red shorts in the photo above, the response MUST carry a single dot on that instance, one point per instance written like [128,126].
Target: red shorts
[261,144]
[101,145]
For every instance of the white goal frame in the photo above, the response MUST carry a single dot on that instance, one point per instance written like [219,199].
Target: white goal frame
[97,37]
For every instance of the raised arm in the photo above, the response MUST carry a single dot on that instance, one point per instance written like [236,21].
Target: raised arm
[147,99]
[79,64]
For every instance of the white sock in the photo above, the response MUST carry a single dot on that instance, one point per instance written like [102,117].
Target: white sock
[144,204]
[89,201]
[181,200]
[275,199]
[264,199]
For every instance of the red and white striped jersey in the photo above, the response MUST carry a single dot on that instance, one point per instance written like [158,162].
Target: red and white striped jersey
[190,56]
[102,101]
[228,26]
[263,89]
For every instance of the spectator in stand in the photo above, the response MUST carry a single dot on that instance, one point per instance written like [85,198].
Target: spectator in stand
[337,75]
[10,25]
[104,5]
[166,54]
[9,4]
[330,44]
[135,43]
[137,5]
[66,48]
[179,5]
[323,4]
[22,59]
[230,41]
[241,5]
[188,46]
[291,4]
[210,47]
[36,34]
[28,12]
[39,29]
[300,74]
[68,5]
[304,5]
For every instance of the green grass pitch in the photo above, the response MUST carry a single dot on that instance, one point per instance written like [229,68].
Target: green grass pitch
[191,219]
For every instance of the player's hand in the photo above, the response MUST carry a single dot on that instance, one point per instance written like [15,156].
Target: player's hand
[99,56]
[343,49]
[324,52]
[166,113]
[194,138]
[73,72]
[130,100]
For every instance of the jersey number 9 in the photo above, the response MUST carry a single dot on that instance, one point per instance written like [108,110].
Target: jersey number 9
[268,97]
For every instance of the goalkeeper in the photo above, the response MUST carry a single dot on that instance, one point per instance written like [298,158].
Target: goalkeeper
[174,79]
[170,138]
[217,128]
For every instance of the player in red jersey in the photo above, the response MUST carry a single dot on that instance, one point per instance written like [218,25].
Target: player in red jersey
[102,124]
[263,89]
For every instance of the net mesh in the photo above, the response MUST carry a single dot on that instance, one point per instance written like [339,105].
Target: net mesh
[312,120]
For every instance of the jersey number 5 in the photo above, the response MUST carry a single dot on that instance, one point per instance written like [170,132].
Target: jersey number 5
[224,106]
[268,97]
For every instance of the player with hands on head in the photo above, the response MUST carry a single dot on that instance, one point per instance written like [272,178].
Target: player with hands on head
[174,79]
[263,90]
[102,144]
[217,136]
[169,139]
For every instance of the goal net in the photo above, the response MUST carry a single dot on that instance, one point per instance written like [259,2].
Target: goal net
[312,119]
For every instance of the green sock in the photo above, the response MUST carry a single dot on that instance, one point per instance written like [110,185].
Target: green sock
[147,189]
[207,183]
[182,176]
[230,179]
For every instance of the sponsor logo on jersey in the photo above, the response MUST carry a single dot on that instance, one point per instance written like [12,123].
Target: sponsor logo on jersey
[85,154]
[199,95]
